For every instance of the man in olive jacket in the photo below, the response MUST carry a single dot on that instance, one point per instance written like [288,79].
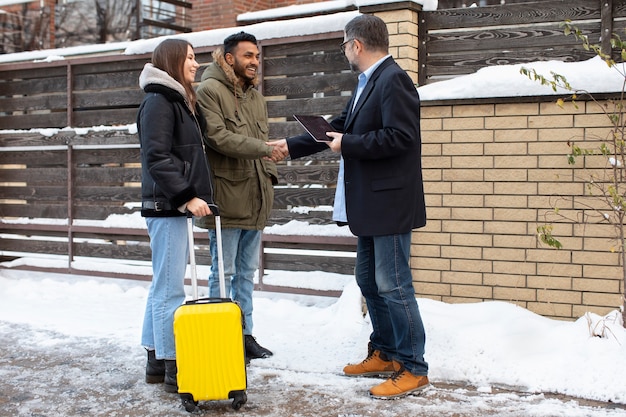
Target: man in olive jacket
[243,172]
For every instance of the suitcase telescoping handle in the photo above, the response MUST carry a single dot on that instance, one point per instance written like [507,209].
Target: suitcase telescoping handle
[220,253]
[192,256]
[220,256]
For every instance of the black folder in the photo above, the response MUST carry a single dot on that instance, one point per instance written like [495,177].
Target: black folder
[316,126]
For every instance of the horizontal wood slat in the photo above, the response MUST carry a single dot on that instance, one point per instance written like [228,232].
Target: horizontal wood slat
[293,262]
[287,66]
[513,14]
[309,84]
[49,210]
[32,121]
[333,105]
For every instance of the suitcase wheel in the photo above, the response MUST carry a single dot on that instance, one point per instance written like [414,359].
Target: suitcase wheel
[239,399]
[189,403]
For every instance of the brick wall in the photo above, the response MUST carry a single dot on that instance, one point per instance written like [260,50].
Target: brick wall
[215,14]
[493,172]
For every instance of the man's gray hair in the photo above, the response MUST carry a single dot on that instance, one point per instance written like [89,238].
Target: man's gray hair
[370,30]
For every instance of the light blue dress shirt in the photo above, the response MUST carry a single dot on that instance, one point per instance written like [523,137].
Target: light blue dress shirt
[339,208]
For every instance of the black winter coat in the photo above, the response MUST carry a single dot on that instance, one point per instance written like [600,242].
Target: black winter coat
[173,164]
[382,149]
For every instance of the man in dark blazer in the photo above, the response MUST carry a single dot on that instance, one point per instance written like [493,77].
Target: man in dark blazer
[380,195]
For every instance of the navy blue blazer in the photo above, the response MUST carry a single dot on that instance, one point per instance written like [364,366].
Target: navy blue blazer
[381,148]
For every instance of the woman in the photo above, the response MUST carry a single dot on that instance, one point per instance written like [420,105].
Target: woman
[175,180]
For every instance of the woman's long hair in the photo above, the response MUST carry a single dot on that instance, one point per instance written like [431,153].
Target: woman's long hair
[170,56]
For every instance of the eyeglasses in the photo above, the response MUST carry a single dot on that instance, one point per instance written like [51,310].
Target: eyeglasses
[343,45]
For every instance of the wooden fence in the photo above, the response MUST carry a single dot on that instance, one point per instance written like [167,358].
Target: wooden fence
[460,41]
[69,183]
[87,92]
[73,175]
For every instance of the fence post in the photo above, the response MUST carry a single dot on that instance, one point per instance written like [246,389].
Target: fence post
[70,205]
[402,20]
[606,13]
[70,95]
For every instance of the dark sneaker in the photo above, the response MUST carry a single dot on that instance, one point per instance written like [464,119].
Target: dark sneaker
[155,369]
[254,350]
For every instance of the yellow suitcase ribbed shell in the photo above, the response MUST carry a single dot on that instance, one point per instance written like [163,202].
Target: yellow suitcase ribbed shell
[210,350]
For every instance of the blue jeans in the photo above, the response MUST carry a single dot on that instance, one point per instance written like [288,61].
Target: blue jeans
[170,255]
[241,260]
[384,276]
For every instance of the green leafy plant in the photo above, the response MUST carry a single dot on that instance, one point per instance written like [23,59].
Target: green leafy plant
[606,187]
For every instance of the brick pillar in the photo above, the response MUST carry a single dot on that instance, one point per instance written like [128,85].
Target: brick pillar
[402,22]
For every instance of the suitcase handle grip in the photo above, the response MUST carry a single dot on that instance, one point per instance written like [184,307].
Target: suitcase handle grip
[208,300]
[215,210]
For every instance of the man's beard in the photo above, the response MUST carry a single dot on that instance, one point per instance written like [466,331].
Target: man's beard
[240,71]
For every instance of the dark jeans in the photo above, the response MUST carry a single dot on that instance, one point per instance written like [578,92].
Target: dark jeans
[384,276]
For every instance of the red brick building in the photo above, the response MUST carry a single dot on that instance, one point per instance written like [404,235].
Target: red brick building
[214,14]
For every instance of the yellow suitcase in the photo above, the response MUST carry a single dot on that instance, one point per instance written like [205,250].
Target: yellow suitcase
[210,353]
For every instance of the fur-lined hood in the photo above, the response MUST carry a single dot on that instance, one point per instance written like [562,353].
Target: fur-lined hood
[154,75]
[227,74]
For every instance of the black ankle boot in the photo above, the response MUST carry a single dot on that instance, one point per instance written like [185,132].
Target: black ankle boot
[170,376]
[254,350]
[155,369]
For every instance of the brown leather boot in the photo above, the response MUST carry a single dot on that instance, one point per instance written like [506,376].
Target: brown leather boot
[400,384]
[376,364]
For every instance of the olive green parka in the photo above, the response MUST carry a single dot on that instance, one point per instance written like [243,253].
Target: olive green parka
[235,141]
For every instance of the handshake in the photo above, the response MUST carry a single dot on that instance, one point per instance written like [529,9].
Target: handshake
[280,150]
